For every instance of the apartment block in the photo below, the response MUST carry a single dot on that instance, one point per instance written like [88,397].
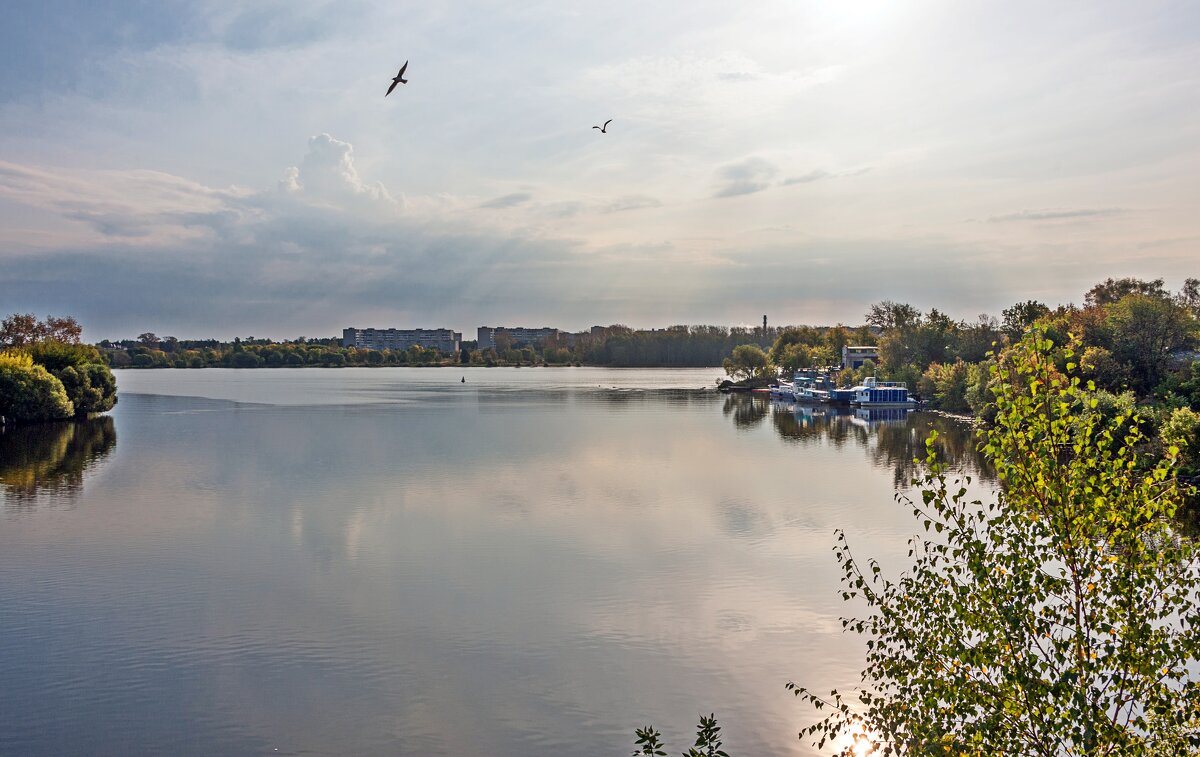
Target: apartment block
[516,335]
[444,340]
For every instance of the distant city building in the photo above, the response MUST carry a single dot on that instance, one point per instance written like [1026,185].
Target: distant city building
[517,336]
[854,357]
[445,340]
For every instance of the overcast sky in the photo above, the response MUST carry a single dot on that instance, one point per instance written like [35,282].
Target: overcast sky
[219,169]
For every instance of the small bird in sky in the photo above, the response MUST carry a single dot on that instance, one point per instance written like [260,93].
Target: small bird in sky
[399,79]
[603,129]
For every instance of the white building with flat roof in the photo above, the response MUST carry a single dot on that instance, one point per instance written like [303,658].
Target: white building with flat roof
[444,340]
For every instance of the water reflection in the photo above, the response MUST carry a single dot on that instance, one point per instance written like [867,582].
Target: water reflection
[893,436]
[49,460]
[462,569]
[746,410]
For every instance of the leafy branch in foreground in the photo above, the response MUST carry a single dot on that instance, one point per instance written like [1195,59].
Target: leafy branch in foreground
[1059,619]
[708,740]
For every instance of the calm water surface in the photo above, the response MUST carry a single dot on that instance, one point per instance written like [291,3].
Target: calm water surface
[389,562]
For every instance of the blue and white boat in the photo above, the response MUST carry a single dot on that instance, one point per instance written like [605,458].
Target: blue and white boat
[874,393]
[783,391]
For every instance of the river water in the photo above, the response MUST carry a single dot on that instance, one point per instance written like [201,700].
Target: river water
[391,561]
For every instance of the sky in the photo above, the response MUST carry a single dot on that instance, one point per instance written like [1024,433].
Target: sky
[220,169]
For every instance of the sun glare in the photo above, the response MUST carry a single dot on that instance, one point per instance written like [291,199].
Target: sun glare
[861,743]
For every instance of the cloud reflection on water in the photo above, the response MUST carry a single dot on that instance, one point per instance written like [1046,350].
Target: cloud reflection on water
[482,572]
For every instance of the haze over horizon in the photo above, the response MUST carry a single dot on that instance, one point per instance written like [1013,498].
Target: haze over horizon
[201,170]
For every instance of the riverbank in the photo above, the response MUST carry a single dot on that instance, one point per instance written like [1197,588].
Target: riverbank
[745,385]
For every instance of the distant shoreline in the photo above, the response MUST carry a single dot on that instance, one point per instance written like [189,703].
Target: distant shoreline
[421,365]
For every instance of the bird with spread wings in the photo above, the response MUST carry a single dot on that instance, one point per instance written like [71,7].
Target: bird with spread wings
[399,79]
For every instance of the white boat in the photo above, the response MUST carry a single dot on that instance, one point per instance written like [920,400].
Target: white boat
[805,390]
[784,391]
[875,393]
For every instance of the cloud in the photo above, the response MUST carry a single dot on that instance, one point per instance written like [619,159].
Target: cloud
[273,24]
[1056,214]
[811,176]
[323,246]
[132,204]
[328,173]
[630,202]
[745,177]
[565,209]
[820,174]
[507,201]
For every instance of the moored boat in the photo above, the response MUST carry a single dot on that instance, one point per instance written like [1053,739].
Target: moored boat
[875,393]
[783,390]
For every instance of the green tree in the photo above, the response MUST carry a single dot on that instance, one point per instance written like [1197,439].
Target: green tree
[1185,385]
[28,392]
[868,368]
[888,316]
[976,340]
[946,384]
[787,338]
[979,395]
[747,361]
[1099,365]
[1111,291]
[1182,430]
[792,358]
[91,388]
[1061,618]
[1189,296]
[1021,316]
[89,383]
[245,359]
[1144,331]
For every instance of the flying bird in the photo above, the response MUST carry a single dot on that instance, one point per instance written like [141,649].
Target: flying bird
[603,129]
[399,79]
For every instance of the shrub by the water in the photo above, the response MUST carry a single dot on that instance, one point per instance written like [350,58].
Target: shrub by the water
[28,392]
[88,382]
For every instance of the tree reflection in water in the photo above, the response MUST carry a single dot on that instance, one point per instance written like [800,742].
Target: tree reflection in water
[50,459]
[893,436]
[747,410]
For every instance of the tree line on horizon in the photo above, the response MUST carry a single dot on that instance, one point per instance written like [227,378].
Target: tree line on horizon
[699,346]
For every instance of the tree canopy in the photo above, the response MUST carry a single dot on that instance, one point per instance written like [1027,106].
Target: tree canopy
[21,329]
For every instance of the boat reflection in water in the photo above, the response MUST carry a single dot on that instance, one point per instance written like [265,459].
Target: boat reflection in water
[872,417]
